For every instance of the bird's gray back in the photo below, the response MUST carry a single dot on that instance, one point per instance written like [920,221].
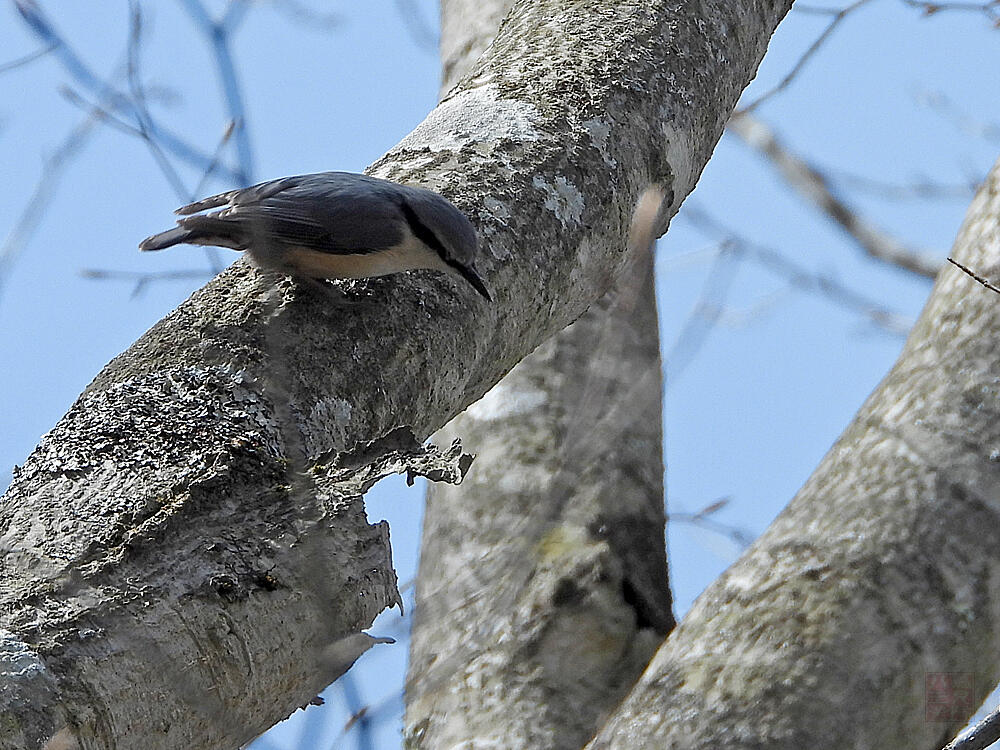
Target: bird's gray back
[333,212]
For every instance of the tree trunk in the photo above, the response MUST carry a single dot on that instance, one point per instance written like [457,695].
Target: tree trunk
[878,589]
[542,590]
[186,556]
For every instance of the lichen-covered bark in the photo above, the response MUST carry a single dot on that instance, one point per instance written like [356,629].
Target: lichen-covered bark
[542,589]
[175,571]
[879,580]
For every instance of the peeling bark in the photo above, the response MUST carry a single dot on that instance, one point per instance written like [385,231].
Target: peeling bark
[174,570]
[880,575]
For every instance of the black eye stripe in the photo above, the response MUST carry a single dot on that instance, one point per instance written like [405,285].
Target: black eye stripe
[424,233]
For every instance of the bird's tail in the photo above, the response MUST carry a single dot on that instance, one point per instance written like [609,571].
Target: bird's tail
[199,230]
[175,236]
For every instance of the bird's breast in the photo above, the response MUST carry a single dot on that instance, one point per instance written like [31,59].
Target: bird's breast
[407,256]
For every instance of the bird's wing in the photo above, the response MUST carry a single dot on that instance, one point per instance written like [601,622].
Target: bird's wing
[241,195]
[331,212]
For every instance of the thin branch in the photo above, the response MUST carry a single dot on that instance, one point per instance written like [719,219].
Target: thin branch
[52,171]
[98,111]
[146,129]
[108,118]
[704,315]
[359,713]
[20,62]
[142,279]
[815,10]
[798,276]
[310,17]
[216,159]
[234,14]
[218,33]
[386,707]
[740,537]
[942,104]
[989,9]
[974,275]
[920,189]
[837,18]
[812,184]
[31,13]
[741,318]
[143,118]
[420,31]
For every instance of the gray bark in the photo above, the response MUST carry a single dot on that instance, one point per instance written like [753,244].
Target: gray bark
[185,555]
[542,589]
[880,575]
[467,29]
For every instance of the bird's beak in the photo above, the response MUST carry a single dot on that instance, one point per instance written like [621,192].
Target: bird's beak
[470,274]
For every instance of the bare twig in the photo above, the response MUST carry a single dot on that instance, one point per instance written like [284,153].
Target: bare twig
[98,111]
[812,184]
[216,159]
[219,33]
[743,317]
[20,62]
[740,537]
[981,736]
[31,13]
[234,14]
[420,31]
[705,314]
[918,189]
[989,9]
[374,712]
[941,104]
[311,17]
[974,275]
[142,279]
[143,118]
[146,128]
[837,17]
[798,276]
[34,210]
[358,710]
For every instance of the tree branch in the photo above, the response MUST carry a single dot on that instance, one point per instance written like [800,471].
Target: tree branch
[811,183]
[836,17]
[865,586]
[40,25]
[981,736]
[20,62]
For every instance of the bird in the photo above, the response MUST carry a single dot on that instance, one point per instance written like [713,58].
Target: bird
[333,225]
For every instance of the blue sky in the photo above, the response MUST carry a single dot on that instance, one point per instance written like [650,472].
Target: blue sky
[776,379]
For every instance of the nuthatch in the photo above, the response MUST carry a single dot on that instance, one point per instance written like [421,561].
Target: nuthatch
[333,225]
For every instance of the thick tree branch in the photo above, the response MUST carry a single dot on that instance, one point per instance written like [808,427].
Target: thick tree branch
[866,586]
[180,570]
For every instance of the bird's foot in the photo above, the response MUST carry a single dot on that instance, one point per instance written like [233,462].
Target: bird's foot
[332,294]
